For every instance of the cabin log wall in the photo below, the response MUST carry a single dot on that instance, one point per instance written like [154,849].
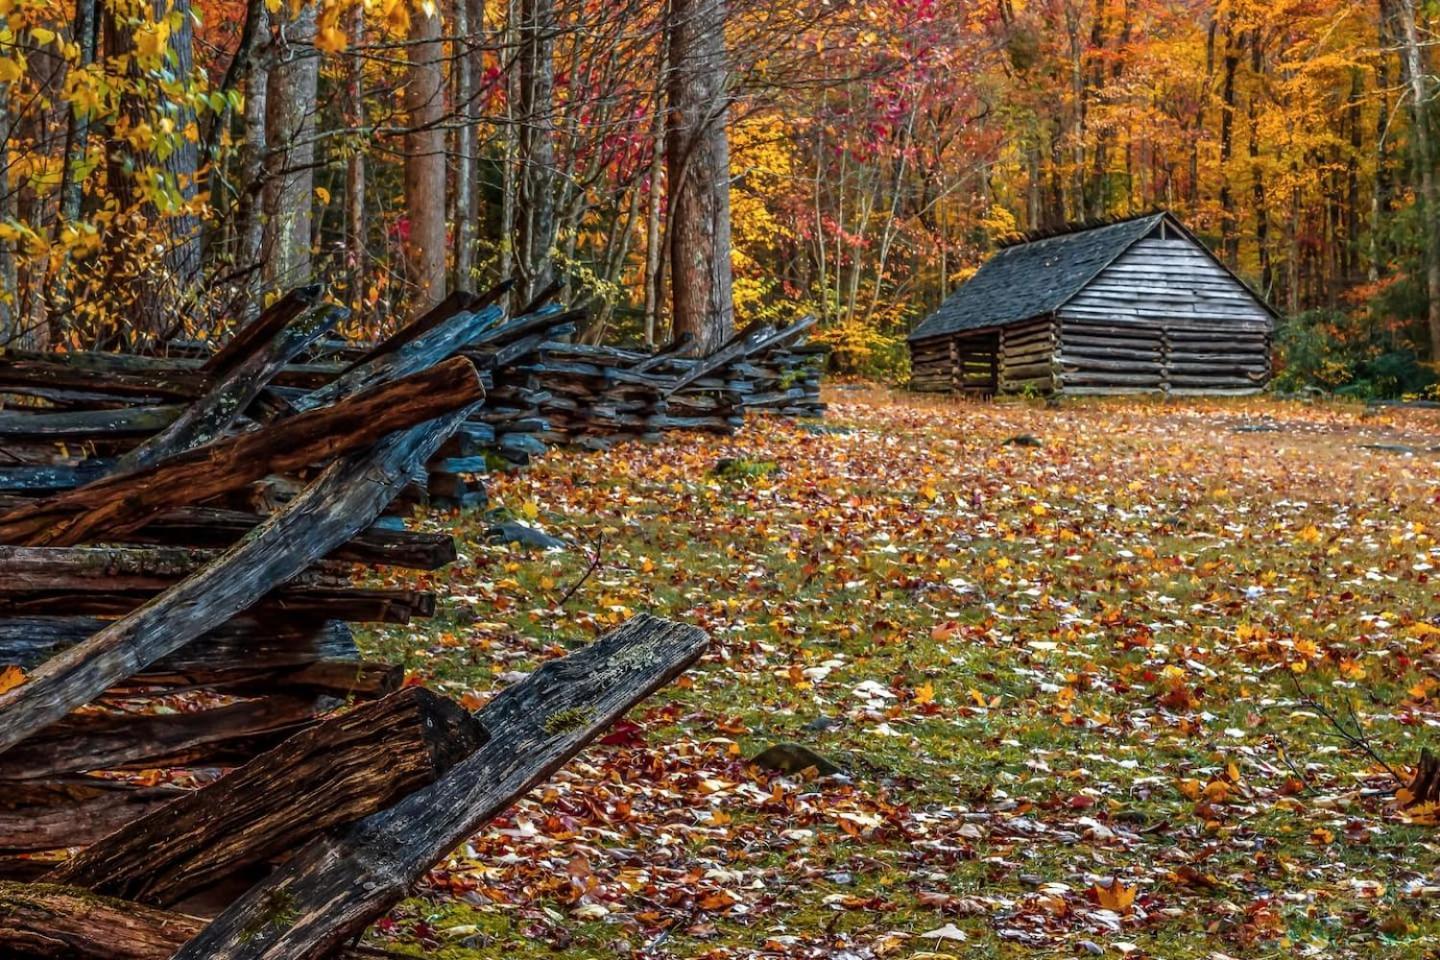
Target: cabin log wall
[1164,317]
[965,363]
[1027,357]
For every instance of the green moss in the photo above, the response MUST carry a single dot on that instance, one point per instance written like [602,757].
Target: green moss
[568,719]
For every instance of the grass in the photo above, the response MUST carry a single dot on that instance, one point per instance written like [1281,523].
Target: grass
[1059,677]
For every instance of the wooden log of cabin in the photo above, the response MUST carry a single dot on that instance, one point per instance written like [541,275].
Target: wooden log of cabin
[1139,305]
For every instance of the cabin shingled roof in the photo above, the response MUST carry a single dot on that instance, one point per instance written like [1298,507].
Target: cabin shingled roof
[1034,279]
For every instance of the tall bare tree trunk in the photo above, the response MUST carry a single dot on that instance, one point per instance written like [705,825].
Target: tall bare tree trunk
[1382,193]
[1257,171]
[9,294]
[535,207]
[1415,68]
[1077,120]
[653,260]
[469,67]
[698,164]
[355,233]
[290,159]
[163,292]
[85,33]
[250,209]
[425,161]
[1230,241]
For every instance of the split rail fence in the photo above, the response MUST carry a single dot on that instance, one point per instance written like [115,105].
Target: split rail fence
[195,760]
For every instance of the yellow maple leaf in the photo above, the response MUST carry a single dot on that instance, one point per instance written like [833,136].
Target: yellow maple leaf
[925,693]
[1116,896]
[11,677]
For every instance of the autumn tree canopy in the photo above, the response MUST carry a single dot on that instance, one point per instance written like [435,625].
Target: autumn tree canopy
[173,162]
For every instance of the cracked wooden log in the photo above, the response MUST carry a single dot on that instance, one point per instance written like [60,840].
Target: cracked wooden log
[344,499]
[459,301]
[241,377]
[42,373]
[216,527]
[340,882]
[76,426]
[72,812]
[58,923]
[344,679]
[41,921]
[736,347]
[121,569]
[356,605]
[413,359]
[122,502]
[234,733]
[244,643]
[332,774]
[40,478]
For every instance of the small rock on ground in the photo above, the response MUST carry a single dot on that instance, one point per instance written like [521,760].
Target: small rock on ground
[512,532]
[792,758]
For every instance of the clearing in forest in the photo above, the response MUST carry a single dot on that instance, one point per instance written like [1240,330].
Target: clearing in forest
[1085,670]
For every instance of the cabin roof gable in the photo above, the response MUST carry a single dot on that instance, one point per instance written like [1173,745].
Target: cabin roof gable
[1038,278]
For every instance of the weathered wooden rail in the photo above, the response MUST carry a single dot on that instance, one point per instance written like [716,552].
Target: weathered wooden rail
[210,562]
[105,411]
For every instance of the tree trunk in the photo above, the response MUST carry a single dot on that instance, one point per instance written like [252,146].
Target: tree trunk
[85,34]
[654,280]
[10,327]
[535,207]
[250,210]
[425,161]
[164,287]
[1415,69]
[289,163]
[355,233]
[469,68]
[698,174]
[1229,238]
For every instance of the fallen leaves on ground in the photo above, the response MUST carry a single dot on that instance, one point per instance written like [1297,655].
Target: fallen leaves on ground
[1079,689]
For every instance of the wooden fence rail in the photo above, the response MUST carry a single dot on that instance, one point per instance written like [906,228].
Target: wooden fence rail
[212,554]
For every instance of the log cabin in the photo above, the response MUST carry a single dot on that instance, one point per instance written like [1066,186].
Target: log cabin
[1136,306]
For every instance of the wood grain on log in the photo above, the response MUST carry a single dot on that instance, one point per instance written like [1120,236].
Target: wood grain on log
[238,644]
[72,812]
[61,923]
[416,359]
[331,774]
[85,742]
[123,502]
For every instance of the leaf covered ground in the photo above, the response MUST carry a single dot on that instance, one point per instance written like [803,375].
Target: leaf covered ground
[1088,693]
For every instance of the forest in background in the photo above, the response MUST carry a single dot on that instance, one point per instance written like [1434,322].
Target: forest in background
[171,164]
